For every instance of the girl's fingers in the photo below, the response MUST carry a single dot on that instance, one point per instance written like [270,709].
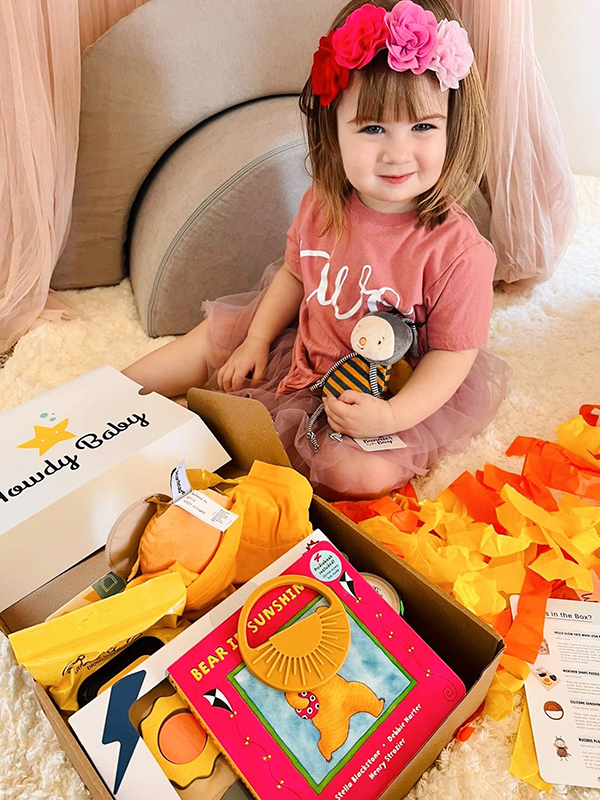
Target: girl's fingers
[237,379]
[228,377]
[335,407]
[336,422]
[259,371]
[222,377]
[349,397]
[240,373]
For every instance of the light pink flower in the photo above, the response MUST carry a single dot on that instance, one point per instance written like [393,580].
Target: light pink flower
[412,39]
[453,58]
[361,37]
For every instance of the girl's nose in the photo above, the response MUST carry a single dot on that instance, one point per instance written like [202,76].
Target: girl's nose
[362,341]
[398,151]
[397,155]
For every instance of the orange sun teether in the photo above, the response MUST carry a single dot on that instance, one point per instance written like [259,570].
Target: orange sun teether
[306,654]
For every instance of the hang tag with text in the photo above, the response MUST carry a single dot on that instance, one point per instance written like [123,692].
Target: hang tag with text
[180,485]
[390,442]
[207,510]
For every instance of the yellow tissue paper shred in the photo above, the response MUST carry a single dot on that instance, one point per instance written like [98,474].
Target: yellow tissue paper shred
[489,536]
[580,438]
[524,762]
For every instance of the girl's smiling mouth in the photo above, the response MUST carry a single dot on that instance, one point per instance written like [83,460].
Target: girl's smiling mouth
[396,178]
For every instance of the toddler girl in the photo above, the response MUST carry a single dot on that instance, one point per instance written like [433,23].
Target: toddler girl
[398,140]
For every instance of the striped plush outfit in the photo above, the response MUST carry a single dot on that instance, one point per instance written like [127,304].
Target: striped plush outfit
[359,375]
[354,373]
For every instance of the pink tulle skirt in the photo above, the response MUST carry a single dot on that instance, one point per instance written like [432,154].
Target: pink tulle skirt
[343,469]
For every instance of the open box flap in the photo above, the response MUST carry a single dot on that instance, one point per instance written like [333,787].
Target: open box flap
[73,458]
[243,426]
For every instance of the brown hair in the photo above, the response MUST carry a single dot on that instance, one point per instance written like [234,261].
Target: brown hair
[383,89]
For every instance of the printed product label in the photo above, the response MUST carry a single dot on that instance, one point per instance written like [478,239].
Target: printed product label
[207,510]
[325,566]
[390,442]
[180,486]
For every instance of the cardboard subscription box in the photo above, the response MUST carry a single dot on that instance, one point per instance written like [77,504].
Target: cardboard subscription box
[246,432]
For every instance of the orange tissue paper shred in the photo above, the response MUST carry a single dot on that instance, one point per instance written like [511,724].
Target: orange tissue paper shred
[495,533]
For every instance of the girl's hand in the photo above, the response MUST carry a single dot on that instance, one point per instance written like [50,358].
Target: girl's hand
[359,415]
[251,357]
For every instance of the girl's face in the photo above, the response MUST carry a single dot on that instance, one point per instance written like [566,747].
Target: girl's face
[391,163]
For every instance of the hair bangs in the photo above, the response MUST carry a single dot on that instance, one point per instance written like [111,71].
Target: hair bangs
[389,96]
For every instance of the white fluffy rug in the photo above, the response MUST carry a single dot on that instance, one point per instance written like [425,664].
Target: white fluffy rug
[550,336]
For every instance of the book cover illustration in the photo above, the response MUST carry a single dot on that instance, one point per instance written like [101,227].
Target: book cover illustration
[349,736]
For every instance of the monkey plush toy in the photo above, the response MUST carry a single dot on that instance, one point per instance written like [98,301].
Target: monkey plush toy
[378,340]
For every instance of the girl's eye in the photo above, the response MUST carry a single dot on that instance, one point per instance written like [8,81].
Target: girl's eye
[423,126]
[372,129]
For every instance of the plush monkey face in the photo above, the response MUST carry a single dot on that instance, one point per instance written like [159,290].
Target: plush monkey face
[373,338]
[381,337]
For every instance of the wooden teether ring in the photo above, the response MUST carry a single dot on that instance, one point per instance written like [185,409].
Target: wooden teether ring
[306,654]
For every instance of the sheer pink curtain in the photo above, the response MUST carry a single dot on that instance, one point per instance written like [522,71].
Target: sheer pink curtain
[40,46]
[531,187]
[39,112]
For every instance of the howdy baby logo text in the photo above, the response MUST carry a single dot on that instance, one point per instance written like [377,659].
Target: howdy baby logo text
[46,438]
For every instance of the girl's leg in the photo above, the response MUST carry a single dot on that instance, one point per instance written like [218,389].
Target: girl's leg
[173,369]
[361,476]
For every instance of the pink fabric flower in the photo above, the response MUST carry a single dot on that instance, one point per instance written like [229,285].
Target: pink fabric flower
[412,40]
[454,56]
[361,37]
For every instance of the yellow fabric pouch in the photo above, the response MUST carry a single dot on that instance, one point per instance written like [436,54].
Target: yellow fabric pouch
[60,653]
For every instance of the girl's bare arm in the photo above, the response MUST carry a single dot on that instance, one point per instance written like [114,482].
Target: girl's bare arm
[277,309]
[279,306]
[436,378]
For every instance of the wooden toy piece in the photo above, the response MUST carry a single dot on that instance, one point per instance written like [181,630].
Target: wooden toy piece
[304,655]
[178,742]
[213,786]
[223,784]
[178,536]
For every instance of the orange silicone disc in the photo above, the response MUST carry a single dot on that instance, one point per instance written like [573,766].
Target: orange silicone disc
[181,739]
[178,742]
[307,653]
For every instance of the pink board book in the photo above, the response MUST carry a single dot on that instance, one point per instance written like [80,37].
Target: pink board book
[351,736]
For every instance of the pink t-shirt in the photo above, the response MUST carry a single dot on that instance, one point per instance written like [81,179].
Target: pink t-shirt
[441,277]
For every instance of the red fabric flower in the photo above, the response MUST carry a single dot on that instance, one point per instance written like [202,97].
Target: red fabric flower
[361,37]
[328,77]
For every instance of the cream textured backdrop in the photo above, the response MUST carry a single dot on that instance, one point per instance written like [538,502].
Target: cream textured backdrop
[566,41]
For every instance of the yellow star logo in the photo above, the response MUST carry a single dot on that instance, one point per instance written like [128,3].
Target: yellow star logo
[45,438]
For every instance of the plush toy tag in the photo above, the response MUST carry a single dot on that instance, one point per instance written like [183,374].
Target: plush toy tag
[180,485]
[207,510]
[390,442]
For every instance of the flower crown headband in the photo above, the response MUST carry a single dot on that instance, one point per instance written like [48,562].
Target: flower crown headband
[414,39]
